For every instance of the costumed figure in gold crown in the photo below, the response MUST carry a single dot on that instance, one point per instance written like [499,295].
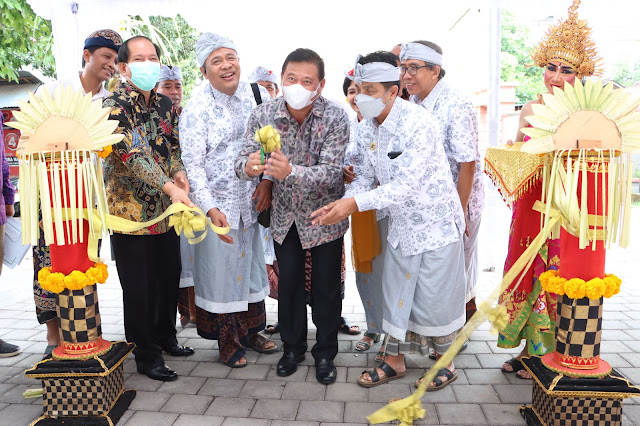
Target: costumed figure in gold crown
[566,54]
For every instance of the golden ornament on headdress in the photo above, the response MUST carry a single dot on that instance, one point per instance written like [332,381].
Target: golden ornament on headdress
[569,42]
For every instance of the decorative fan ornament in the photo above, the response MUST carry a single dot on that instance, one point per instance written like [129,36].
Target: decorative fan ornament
[590,128]
[62,137]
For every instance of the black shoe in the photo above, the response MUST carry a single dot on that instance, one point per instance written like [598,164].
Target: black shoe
[161,372]
[288,364]
[178,350]
[326,372]
[7,349]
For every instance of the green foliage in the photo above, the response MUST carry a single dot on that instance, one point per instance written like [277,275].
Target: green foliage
[177,41]
[25,39]
[514,58]
[627,75]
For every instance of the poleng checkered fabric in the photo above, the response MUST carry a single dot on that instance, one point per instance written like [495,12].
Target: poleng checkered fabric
[579,327]
[79,315]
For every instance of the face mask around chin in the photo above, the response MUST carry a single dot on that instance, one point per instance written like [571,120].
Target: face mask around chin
[144,75]
[297,96]
[369,106]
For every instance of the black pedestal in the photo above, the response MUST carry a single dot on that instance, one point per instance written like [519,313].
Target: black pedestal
[566,401]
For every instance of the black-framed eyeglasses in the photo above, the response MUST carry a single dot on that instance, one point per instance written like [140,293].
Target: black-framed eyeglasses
[413,70]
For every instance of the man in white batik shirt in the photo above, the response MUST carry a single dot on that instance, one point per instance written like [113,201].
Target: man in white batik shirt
[423,279]
[229,270]
[423,74]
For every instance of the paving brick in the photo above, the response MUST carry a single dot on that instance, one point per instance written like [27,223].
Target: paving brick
[475,393]
[187,404]
[514,394]
[294,423]
[250,372]
[341,378]
[350,360]
[188,385]
[357,412]
[230,407]
[346,392]
[146,418]
[183,368]
[211,369]
[386,391]
[503,414]
[221,387]
[309,391]
[143,383]
[444,395]
[275,409]
[299,376]
[192,420]
[149,401]
[492,360]
[235,421]
[20,414]
[259,389]
[466,360]
[13,394]
[460,414]
[320,411]
[486,376]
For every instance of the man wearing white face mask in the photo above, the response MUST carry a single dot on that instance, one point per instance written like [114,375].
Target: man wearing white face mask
[144,175]
[423,282]
[307,174]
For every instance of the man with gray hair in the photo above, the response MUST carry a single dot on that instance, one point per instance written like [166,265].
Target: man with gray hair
[228,270]
[423,75]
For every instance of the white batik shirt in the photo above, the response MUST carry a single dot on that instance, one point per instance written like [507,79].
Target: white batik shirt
[416,186]
[458,122]
[212,127]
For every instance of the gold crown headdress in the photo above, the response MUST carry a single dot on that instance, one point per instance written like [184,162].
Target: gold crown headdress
[569,42]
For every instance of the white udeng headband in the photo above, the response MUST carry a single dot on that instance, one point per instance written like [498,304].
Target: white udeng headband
[375,72]
[421,52]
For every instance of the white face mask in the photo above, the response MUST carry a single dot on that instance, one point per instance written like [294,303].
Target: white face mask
[369,106]
[297,96]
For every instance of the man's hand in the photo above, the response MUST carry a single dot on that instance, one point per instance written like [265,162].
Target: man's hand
[10,210]
[278,165]
[180,179]
[177,194]
[220,219]
[348,174]
[263,194]
[334,212]
[253,166]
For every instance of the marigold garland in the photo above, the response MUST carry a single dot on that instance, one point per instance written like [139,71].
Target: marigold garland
[577,288]
[104,153]
[56,282]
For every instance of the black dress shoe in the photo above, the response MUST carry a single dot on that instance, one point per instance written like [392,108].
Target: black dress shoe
[178,350]
[161,372]
[288,364]
[326,372]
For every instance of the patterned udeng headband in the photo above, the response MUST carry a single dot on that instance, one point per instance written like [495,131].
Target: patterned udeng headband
[375,72]
[421,52]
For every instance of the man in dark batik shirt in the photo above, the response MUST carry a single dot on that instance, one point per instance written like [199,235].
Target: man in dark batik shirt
[144,175]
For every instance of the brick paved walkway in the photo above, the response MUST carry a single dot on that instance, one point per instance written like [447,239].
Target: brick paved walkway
[210,393]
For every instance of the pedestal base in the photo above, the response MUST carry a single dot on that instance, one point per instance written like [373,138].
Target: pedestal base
[561,400]
[84,391]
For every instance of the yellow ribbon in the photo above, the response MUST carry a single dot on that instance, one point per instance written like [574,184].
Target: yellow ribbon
[410,408]
[182,218]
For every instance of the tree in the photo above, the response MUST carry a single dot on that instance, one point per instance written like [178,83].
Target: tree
[627,75]
[515,58]
[25,39]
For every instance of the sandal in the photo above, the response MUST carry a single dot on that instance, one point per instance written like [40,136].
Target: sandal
[439,384]
[524,371]
[390,373]
[257,342]
[347,328]
[237,364]
[434,355]
[272,328]
[516,365]
[363,346]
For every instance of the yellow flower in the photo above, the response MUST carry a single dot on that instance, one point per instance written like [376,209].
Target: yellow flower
[104,153]
[574,288]
[595,288]
[612,284]
[76,280]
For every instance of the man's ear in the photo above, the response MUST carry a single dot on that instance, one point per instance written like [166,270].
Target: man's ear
[203,70]
[86,55]
[122,67]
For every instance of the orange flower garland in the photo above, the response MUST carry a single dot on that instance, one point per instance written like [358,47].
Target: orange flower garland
[56,282]
[577,288]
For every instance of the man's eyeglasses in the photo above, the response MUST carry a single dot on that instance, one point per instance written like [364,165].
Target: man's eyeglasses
[412,69]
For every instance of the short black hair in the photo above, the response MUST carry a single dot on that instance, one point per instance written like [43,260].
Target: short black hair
[123,53]
[305,55]
[91,50]
[346,85]
[386,57]
[438,49]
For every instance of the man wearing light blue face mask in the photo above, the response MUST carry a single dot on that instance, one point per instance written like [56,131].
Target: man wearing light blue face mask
[144,175]
[423,282]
